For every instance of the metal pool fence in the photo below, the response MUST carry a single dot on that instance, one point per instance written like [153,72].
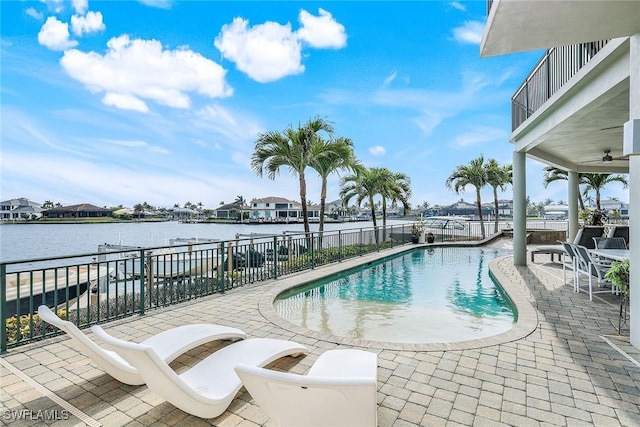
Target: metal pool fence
[114,282]
[117,282]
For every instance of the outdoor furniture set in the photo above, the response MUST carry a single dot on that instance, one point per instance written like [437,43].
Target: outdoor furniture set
[340,389]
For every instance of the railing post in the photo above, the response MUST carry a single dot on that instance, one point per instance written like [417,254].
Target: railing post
[3,307]
[220,269]
[312,251]
[230,261]
[339,245]
[361,243]
[275,257]
[143,272]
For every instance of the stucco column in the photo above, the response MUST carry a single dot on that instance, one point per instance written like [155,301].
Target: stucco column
[573,205]
[632,147]
[519,208]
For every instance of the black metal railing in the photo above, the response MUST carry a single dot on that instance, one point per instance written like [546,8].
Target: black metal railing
[556,67]
[117,281]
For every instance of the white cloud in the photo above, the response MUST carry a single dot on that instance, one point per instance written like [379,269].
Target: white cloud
[34,14]
[321,31]
[55,6]
[113,184]
[390,78]
[136,143]
[377,150]
[132,71]
[80,6]
[458,5]
[55,35]
[271,51]
[266,52]
[132,143]
[90,23]
[160,4]
[479,135]
[124,101]
[471,32]
[233,126]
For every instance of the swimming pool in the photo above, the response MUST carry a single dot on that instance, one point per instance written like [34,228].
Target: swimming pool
[427,295]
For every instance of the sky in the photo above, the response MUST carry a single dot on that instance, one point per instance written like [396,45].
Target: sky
[124,102]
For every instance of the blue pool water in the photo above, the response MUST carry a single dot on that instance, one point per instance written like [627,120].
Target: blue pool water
[430,295]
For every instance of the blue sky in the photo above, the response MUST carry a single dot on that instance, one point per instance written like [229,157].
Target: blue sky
[122,102]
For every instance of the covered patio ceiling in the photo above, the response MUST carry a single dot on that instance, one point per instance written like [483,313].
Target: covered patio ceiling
[579,142]
[557,23]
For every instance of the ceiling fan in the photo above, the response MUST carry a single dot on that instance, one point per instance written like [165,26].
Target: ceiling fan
[607,158]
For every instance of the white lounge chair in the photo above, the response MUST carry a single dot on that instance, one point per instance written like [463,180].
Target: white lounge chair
[207,389]
[339,390]
[168,345]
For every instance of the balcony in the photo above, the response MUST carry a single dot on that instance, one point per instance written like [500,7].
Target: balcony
[556,67]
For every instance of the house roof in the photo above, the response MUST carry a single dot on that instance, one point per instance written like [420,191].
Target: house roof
[83,207]
[22,201]
[230,206]
[272,199]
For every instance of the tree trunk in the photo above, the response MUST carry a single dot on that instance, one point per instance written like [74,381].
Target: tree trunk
[303,200]
[479,202]
[580,201]
[373,211]
[384,212]
[495,202]
[323,198]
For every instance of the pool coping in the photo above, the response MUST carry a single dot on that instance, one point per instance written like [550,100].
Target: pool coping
[526,323]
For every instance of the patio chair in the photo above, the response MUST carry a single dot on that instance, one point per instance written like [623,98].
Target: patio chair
[569,252]
[207,389]
[620,231]
[168,345]
[339,390]
[591,267]
[610,242]
[584,237]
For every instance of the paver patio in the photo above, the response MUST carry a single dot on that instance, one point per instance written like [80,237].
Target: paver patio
[568,366]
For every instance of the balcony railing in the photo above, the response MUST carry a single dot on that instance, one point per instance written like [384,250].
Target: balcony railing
[556,67]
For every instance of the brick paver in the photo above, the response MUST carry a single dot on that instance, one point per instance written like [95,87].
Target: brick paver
[555,368]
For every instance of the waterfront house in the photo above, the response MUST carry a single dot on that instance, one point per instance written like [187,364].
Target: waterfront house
[556,211]
[579,108]
[463,208]
[83,210]
[279,209]
[610,206]
[232,210]
[21,208]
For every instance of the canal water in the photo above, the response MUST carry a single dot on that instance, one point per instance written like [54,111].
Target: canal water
[38,240]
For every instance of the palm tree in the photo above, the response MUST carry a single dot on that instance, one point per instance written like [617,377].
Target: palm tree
[395,187]
[328,157]
[597,181]
[498,177]
[552,174]
[591,181]
[241,202]
[363,185]
[473,174]
[292,149]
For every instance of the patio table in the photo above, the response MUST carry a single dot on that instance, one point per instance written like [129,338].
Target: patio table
[614,254]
